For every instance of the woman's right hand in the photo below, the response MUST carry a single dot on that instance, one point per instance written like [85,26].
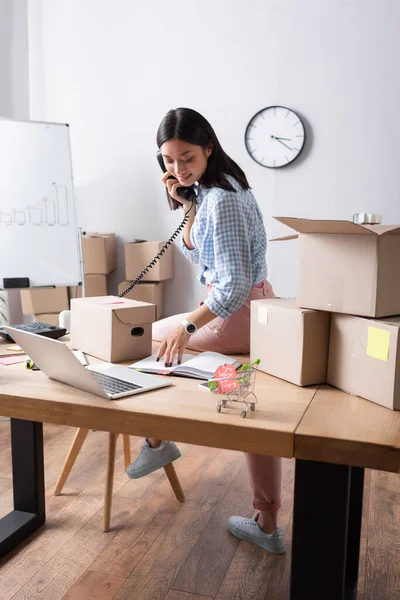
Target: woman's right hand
[172,185]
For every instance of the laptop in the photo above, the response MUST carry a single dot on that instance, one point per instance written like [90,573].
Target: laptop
[58,362]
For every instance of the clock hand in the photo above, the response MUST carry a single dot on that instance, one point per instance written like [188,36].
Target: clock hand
[283,144]
[281,138]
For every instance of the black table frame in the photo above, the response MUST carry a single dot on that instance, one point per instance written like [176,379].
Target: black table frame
[326,520]
[28,485]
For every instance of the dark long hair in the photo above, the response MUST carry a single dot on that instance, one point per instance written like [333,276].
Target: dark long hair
[190,126]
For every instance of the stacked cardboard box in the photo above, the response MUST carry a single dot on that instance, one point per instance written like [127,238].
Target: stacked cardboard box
[139,255]
[99,259]
[99,253]
[145,292]
[45,304]
[351,271]
[291,342]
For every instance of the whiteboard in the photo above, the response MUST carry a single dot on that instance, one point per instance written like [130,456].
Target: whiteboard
[38,234]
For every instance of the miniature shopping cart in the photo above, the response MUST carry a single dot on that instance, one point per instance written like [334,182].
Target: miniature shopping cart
[235,386]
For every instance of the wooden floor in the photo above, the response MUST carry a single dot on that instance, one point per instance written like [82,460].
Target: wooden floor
[160,549]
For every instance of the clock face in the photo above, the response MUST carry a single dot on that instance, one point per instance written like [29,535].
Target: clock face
[275,136]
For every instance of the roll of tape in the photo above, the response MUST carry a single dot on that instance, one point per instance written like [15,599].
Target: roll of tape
[367,219]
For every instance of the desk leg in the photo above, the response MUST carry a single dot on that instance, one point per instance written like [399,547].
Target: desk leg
[326,531]
[28,485]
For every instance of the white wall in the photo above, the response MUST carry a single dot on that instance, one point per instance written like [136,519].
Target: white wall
[19,60]
[14,100]
[14,93]
[112,70]
[5,58]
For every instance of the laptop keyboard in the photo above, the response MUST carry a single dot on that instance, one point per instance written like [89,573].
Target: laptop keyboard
[112,385]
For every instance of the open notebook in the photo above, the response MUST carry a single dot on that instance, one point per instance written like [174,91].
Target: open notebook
[201,366]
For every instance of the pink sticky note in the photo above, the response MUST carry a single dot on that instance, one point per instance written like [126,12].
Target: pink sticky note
[11,360]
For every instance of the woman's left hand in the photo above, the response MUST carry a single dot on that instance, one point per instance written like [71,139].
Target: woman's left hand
[173,346]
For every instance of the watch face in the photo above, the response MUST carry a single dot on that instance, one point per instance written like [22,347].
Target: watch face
[275,137]
[191,328]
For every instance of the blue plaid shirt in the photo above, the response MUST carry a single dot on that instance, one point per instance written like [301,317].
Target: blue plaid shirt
[230,245]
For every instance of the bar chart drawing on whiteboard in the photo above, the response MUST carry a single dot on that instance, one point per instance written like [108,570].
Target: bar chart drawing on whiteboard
[39,236]
[51,210]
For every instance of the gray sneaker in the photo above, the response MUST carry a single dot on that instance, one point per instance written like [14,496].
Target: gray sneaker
[249,530]
[151,459]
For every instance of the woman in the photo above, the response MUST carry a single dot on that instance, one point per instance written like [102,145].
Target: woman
[226,236]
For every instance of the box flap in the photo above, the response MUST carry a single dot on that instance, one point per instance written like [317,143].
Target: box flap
[322,226]
[144,242]
[384,229]
[281,303]
[128,311]
[284,238]
[332,226]
[140,314]
[98,235]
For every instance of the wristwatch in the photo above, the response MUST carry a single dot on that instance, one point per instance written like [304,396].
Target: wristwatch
[189,327]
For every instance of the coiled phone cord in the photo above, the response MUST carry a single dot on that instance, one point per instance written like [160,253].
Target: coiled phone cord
[159,255]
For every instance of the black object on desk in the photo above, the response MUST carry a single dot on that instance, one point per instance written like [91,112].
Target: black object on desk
[15,282]
[52,331]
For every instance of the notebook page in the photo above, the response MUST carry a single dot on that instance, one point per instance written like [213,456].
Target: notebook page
[208,362]
[151,363]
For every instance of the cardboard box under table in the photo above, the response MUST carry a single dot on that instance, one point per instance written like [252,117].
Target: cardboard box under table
[347,268]
[364,358]
[140,254]
[111,328]
[291,342]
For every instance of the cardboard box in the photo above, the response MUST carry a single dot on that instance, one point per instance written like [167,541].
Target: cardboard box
[49,318]
[51,300]
[95,285]
[112,328]
[291,342]
[140,254]
[348,268]
[145,292]
[364,358]
[99,253]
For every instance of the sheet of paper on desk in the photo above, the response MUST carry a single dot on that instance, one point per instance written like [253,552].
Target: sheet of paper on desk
[8,349]
[12,360]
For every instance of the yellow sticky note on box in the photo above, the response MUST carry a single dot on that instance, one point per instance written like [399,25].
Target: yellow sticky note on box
[378,343]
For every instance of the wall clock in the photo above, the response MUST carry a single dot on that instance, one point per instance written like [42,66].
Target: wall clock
[275,136]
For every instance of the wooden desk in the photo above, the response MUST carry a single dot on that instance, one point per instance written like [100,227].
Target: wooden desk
[338,437]
[349,430]
[289,421]
[182,412]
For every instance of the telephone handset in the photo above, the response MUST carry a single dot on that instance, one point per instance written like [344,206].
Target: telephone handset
[188,194]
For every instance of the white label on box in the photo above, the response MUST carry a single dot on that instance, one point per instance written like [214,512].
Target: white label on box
[263,314]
